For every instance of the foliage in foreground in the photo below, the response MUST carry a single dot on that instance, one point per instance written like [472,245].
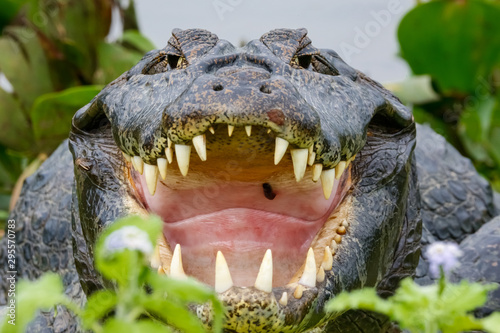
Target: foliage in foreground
[122,257]
[442,307]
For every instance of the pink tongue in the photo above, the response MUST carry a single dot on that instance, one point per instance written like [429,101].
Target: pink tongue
[242,235]
[238,220]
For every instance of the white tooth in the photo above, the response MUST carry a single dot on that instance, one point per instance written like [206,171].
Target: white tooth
[316,171]
[211,129]
[334,246]
[298,292]
[200,144]
[138,164]
[308,278]
[183,153]
[169,143]
[264,281]
[151,175]
[155,259]
[248,129]
[176,269]
[223,280]
[169,152]
[230,129]
[339,169]
[327,259]
[127,157]
[299,158]
[280,150]
[284,299]
[320,277]
[162,167]
[312,157]
[327,181]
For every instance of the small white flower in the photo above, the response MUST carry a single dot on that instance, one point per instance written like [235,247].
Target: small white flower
[131,238]
[442,254]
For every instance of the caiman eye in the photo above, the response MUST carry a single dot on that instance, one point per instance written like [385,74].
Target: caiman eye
[301,61]
[177,62]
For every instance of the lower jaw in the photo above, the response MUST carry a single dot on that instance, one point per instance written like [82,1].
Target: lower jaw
[287,307]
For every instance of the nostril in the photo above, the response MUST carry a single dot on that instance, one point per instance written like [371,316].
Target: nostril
[217,87]
[265,89]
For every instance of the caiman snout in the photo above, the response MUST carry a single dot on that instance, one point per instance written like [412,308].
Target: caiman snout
[242,96]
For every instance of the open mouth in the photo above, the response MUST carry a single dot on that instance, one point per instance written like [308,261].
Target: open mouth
[247,155]
[242,207]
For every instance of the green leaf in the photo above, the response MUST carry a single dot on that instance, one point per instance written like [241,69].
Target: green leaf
[464,297]
[10,170]
[52,113]
[114,60]
[366,299]
[456,42]
[72,28]
[100,304]
[165,308]
[23,62]
[187,291]
[31,296]
[114,326]
[15,130]
[492,323]
[10,8]
[137,40]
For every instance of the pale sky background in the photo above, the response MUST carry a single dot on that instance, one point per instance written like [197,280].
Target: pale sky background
[363,32]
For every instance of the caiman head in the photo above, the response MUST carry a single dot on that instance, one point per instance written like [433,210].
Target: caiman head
[282,175]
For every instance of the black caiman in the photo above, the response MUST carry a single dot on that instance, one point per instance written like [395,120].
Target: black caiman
[276,168]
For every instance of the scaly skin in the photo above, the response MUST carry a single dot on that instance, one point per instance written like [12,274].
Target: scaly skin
[284,87]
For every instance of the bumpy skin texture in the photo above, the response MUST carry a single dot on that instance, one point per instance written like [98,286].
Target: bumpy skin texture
[337,109]
[43,236]
[456,201]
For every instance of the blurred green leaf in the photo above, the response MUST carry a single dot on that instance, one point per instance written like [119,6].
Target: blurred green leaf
[492,322]
[138,41]
[45,293]
[10,8]
[456,42]
[186,291]
[423,308]
[23,62]
[114,60]
[183,319]
[74,27]
[98,306]
[15,130]
[114,326]
[10,168]
[52,113]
